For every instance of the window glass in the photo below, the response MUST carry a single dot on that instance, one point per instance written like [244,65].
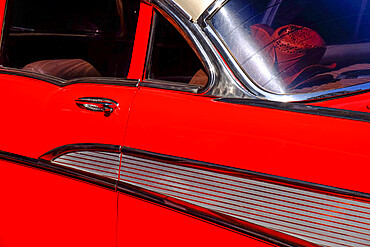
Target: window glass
[70,38]
[171,57]
[298,46]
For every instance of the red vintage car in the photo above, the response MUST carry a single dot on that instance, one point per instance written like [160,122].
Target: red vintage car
[185,123]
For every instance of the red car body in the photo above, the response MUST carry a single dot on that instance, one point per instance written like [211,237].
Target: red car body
[171,138]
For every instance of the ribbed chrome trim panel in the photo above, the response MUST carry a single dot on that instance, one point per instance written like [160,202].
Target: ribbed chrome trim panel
[104,164]
[320,218]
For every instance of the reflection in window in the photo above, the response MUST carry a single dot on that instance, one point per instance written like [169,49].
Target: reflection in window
[298,46]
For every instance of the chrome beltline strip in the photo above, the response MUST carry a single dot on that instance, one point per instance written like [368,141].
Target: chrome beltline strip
[302,108]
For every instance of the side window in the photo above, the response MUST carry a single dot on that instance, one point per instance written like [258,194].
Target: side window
[171,58]
[71,38]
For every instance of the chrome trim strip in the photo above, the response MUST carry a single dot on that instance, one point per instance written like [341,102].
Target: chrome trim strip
[309,213]
[45,165]
[221,81]
[17,158]
[237,172]
[50,162]
[175,16]
[99,160]
[181,9]
[208,13]
[301,108]
[104,160]
[171,86]
[49,156]
[274,209]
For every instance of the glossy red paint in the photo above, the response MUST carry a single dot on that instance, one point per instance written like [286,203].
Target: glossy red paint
[359,103]
[42,209]
[46,209]
[141,42]
[318,149]
[145,224]
[48,115]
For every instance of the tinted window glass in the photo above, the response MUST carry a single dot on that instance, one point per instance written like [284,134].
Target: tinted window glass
[97,35]
[298,46]
[172,59]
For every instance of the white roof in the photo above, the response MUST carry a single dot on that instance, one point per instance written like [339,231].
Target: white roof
[194,7]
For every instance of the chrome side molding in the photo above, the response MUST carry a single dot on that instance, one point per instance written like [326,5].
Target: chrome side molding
[279,210]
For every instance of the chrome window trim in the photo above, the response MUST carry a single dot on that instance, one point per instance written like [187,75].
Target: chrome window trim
[168,85]
[220,82]
[301,108]
[182,10]
[248,82]
[178,18]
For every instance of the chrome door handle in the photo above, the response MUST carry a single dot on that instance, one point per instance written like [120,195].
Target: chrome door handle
[97,104]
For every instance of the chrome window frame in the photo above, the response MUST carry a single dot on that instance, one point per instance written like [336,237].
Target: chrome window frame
[177,17]
[252,86]
[166,84]
[221,82]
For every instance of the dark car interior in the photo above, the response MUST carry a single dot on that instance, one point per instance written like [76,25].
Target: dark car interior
[172,58]
[69,39]
[93,38]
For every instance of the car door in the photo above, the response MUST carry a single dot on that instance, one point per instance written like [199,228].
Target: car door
[45,116]
[181,145]
[61,136]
